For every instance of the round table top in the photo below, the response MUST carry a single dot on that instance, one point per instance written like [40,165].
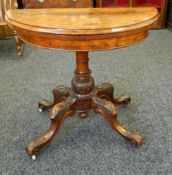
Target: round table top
[82,21]
[82,29]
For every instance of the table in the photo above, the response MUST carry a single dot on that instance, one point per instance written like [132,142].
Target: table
[82,31]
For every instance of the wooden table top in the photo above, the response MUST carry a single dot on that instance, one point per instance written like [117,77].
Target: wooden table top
[82,29]
[82,21]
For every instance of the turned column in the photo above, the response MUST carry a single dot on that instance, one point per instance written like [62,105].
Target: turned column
[83,83]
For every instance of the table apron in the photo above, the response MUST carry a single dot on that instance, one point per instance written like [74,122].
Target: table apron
[81,42]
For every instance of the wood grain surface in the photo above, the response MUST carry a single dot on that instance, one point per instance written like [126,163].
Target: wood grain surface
[83,21]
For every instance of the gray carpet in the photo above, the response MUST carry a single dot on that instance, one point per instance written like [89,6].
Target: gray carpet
[88,146]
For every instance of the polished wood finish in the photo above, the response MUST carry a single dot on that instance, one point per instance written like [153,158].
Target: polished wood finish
[84,30]
[57,3]
[48,4]
[100,30]
[81,97]
[83,21]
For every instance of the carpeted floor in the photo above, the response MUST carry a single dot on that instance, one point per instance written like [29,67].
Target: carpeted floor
[88,146]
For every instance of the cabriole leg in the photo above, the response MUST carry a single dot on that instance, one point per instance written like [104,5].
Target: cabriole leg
[58,115]
[59,93]
[108,110]
[124,99]
[105,90]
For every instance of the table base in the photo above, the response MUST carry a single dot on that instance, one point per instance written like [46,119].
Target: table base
[82,97]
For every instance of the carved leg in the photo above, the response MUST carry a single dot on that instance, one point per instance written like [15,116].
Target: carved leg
[125,99]
[59,93]
[44,105]
[62,107]
[58,114]
[108,110]
[18,45]
[105,90]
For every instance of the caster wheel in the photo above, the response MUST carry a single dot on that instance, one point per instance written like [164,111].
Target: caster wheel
[84,114]
[33,157]
[40,110]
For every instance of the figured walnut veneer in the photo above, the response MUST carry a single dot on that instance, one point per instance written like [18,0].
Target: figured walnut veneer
[82,30]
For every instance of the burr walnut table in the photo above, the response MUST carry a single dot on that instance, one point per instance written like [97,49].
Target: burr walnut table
[81,31]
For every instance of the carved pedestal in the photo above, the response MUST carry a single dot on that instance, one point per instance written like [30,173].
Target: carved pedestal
[83,96]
